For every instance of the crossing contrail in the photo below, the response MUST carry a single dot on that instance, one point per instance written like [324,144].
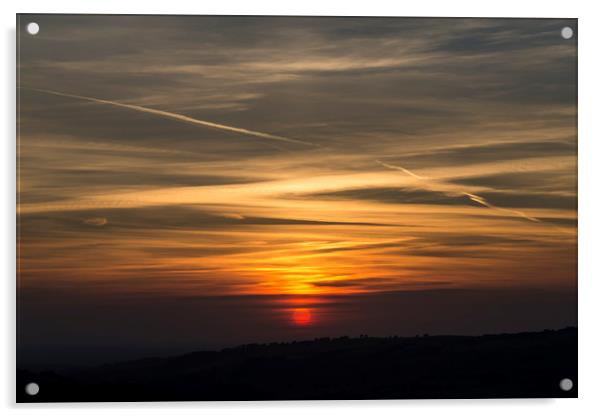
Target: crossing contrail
[402,169]
[179,117]
[483,202]
[446,187]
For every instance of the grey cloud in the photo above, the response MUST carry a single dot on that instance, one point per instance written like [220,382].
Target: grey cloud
[547,180]
[370,246]
[467,239]
[141,177]
[184,218]
[481,153]
[378,283]
[450,253]
[531,200]
[505,199]
[398,196]
[198,252]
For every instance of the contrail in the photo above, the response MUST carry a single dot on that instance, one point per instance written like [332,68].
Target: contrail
[402,169]
[176,116]
[473,197]
[483,202]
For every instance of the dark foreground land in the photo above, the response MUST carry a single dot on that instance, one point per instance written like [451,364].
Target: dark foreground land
[523,365]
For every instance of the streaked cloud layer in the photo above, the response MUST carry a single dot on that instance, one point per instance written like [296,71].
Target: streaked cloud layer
[269,156]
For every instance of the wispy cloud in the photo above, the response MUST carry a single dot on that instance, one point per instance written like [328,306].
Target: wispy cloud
[464,156]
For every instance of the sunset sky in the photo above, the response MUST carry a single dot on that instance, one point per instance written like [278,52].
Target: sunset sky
[293,177]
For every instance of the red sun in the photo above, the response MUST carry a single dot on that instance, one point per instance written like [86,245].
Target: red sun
[302,316]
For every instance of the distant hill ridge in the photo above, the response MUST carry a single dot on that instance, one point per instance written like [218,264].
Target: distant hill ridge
[518,365]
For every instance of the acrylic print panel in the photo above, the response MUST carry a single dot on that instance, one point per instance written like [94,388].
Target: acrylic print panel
[269,208]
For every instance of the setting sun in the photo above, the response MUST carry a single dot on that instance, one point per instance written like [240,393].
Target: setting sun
[302,317]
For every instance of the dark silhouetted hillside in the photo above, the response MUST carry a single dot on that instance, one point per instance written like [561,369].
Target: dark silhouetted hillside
[492,366]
